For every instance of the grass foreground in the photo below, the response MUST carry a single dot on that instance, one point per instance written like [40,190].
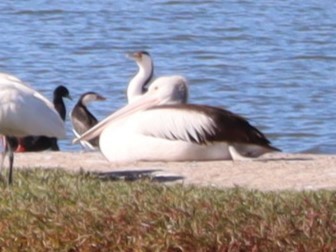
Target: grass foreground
[52,210]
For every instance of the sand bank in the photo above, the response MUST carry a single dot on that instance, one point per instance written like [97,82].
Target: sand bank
[278,171]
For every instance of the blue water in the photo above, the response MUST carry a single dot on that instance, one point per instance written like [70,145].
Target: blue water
[273,62]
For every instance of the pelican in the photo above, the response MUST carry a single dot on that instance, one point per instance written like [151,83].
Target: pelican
[82,119]
[160,126]
[40,143]
[25,112]
[136,86]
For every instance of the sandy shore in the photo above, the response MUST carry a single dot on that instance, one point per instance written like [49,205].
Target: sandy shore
[271,172]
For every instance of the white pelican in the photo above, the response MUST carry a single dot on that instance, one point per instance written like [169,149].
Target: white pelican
[159,126]
[25,112]
[82,119]
[40,143]
[137,85]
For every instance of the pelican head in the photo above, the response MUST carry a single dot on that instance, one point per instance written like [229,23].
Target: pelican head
[169,90]
[164,90]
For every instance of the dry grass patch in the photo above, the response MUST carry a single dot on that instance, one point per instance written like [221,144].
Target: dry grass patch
[57,211]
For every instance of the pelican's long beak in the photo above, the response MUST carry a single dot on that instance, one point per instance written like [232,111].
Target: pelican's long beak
[142,103]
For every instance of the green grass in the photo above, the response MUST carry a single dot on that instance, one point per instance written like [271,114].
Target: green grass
[51,210]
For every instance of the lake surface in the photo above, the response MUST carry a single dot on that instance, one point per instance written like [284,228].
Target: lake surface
[270,61]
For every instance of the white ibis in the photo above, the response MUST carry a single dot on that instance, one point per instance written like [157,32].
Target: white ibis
[25,112]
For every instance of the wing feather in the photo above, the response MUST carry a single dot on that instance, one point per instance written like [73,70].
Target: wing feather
[176,123]
[199,124]
[196,126]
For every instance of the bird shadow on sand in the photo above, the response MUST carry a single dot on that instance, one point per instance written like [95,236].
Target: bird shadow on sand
[137,175]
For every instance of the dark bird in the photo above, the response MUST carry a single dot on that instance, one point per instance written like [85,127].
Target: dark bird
[82,119]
